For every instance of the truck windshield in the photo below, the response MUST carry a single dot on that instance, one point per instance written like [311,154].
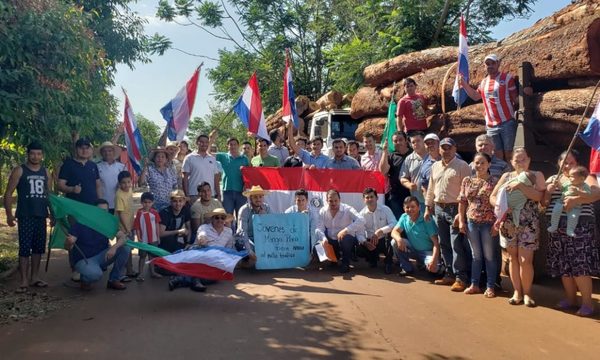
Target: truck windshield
[343,126]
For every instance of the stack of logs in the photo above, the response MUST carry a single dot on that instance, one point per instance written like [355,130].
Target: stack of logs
[564,50]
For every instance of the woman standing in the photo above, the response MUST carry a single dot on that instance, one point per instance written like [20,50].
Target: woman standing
[160,177]
[521,240]
[476,218]
[575,259]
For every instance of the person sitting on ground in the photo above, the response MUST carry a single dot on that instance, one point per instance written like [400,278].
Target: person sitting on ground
[205,204]
[574,186]
[420,240]
[146,226]
[94,253]
[264,158]
[245,232]
[216,233]
[302,206]
[340,160]
[175,229]
[338,224]
[379,222]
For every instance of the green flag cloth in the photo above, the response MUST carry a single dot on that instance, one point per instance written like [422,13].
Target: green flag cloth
[89,215]
[154,250]
[390,127]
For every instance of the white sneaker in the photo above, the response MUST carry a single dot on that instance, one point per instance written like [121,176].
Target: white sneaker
[75,276]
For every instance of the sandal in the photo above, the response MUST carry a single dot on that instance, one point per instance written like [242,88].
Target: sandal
[489,293]
[39,284]
[156,276]
[139,279]
[515,301]
[21,290]
[471,290]
[585,311]
[565,305]
[529,302]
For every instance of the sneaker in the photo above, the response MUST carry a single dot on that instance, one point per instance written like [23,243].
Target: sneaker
[75,276]
[198,287]
[552,229]
[458,286]
[404,273]
[446,280]
[344,269]
[115,285]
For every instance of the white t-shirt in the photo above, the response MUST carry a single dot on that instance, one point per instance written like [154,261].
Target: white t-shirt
[109,176]
[199,169]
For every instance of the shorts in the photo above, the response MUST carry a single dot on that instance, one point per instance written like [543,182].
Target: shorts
[503,135]
[32,236]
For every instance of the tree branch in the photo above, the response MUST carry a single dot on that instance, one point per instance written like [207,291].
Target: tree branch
[238,28]
[196,55]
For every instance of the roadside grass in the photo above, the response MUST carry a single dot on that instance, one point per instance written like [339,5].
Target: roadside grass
[9,245]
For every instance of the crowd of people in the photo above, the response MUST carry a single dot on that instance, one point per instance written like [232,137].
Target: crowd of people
[441,215]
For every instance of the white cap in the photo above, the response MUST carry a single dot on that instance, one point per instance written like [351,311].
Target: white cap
[431,137]
[492,57]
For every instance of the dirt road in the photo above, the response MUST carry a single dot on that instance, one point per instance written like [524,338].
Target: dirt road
[298,314]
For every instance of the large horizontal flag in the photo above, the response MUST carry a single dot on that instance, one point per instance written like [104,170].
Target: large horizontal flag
[249,109]
[458,93]
[283,182]
[178,111]
[136,150]
[211,263]
[591,134]
[289,97]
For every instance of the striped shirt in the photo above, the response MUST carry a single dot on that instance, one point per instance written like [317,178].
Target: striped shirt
[496,95]
[586,209]
[146,223]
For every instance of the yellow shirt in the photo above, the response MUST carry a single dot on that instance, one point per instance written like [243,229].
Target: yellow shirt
[124,204]
[445,181]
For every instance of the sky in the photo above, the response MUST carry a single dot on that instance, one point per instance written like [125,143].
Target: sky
[150,86]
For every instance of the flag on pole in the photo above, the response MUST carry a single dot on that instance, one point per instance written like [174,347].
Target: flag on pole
[249,109]
[595,163]
[591,134]
[458,93]
[289,98]
[136,150]
[178,111]
[390,126]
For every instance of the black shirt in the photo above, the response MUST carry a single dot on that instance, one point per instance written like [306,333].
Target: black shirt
[32,191]
[171,222]
[395,160]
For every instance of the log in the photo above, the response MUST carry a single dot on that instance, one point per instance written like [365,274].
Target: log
[404,65]
[368,101]
[373,125]
[563,106]
[331,100]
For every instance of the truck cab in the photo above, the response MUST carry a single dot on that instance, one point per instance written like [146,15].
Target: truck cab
[331,125]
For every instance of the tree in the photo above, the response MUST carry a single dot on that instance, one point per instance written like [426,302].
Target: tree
[149,130]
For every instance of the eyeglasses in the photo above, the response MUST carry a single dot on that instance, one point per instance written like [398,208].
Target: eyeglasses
[220,217]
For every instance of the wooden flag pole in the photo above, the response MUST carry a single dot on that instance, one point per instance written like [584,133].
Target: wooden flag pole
[444,87]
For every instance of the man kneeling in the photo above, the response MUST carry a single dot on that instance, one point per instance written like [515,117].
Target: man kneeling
[420,239]
[93,254]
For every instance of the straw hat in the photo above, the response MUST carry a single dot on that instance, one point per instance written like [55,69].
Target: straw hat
[255,190]
[157,150]
[177,194]
[116,149]
[172,144]
[217,212]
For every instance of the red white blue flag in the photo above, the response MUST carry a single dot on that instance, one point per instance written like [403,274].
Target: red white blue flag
[211,263]
[178,111]
[289,98]
[591,134]
[136,150]
[249,109]
[458,93]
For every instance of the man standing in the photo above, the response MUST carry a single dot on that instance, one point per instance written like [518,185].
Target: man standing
[338,224]
[255,206]
[264,158]
[31,182]
[248,150]
[313,159]
[200,166]
[432,144]
[79,178]
[353,151]
[340,160]
[390,166]
[108,170]
[485,144]
[232,163]
[294,160]
[277,149]
[379,222]
[499,94]
[412,111]
[371,159]
[409,173]
[442,203]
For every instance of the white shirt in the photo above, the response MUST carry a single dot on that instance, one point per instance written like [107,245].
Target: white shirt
[381,219]
[199,169]
[208,236]
[313,220]
[280,152]
[109,176]
[346,218]
[370,162]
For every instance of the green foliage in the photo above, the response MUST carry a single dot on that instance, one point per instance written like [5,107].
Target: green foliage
[227,127]
[149,130]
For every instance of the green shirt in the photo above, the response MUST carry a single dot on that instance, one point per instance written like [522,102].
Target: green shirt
[418,233]
[232,174]
[270,161]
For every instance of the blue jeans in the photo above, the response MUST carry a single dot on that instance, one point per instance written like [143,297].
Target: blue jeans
[503,135]
[346,246]
[453,245]
[233,201]
[482,246]
[394,202]
[96,265]
[423,257]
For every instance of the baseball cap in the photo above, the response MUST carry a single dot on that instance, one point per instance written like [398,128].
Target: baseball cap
[431,137]
[447,141]
[83,142]
[492,57]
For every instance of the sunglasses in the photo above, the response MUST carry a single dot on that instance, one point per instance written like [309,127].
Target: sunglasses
[220,217]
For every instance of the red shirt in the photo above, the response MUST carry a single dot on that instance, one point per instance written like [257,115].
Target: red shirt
[496,94]
[412,110]
[146,222]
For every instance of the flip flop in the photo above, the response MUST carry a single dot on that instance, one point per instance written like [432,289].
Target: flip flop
[21,290]
[39,284]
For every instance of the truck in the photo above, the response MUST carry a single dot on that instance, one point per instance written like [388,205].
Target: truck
[331,125]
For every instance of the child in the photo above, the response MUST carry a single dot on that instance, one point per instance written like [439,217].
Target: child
[124,211]
[146,227]
[576,182]
[516,199]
